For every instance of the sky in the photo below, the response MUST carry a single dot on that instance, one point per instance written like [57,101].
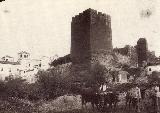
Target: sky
[43,27]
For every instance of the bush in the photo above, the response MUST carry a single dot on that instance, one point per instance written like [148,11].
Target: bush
[51,85]
[16,88]
[154,78]
[99,73]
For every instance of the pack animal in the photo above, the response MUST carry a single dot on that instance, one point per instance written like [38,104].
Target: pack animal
[89,95]
[133,98]
[111,99]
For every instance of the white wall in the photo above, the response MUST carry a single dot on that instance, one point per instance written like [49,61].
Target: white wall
[150,69]
[27,69]
[8,69]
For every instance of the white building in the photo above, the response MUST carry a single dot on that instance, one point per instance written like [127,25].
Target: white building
[23,55]
[150,69]
[9,68]
[45,62]
[7,58]
[122,77]
[25,67]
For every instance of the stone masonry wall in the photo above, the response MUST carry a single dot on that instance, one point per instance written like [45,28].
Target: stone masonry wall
[142,49]
[90,33]
[80,38]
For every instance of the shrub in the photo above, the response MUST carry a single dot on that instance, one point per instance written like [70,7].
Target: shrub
[16,87]
[51,85]
[98,73]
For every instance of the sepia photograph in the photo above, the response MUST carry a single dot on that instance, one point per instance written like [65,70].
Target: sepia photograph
[79,56]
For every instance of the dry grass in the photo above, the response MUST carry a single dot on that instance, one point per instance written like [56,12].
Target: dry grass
[63,104]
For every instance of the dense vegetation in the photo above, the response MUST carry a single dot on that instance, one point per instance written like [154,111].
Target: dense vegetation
[16,93]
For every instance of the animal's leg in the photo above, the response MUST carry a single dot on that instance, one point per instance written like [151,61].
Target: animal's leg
[83,103]
[130,103]
[104,104]
[92,103]
[126,104]
[115,105]
[135,104]
[97,106]
[110,106]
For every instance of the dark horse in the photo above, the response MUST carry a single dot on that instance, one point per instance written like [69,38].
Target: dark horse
[128,99]
[111,99]
[133,101]
[90,95]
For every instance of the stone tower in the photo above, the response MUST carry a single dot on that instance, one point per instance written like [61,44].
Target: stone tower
[91,35]
[142,49]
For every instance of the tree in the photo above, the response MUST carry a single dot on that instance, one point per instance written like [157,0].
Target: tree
[16,87]
[2,88]
[98,73]
[51,84]
[154,78]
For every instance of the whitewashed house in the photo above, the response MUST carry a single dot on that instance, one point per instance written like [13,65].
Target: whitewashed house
[150,69]
[7,58]
[25,67]
[9,68]
[122,77]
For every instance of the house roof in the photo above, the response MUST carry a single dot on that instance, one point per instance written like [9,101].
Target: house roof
[7,62]
[7,56]
[123,72]
[23,52]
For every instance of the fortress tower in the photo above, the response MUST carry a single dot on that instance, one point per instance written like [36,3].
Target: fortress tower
[142,49]
[91,36]
[90,33]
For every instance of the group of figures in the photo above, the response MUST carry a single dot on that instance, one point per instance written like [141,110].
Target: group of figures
[103,98]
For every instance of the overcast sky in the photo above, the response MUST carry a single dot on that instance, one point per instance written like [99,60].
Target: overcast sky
[43,27]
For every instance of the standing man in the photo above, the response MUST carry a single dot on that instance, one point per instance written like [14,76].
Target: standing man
[155,97]
[136,94]
[103,87]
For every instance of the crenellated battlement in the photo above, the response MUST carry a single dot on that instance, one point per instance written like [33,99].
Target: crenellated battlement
[92,16]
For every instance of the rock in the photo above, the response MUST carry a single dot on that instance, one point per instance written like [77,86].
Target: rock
[62,103]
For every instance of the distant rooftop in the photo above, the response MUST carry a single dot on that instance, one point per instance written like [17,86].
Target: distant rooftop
[7,62]
[23,52]
[7,56]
